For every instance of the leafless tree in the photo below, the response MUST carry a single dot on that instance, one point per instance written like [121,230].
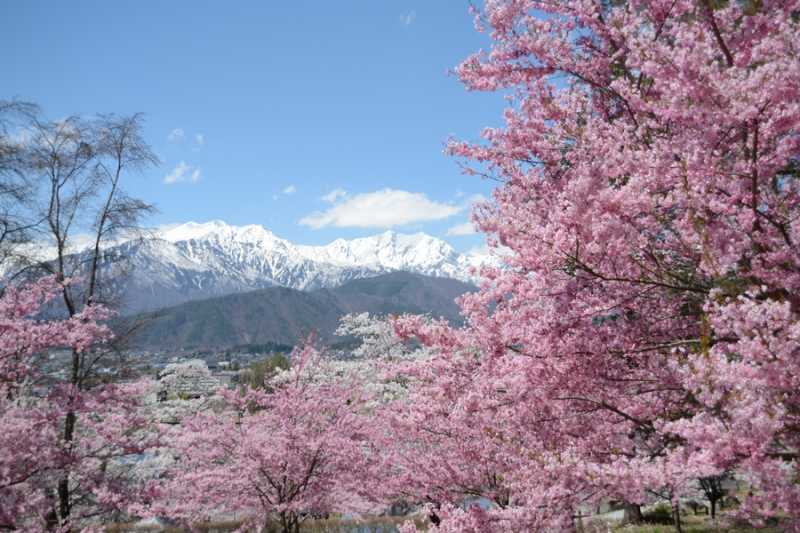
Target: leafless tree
[16,219]
[73,198]
[79,166]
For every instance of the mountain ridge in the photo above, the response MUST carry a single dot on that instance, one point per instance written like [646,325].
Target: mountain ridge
[194,261]
[282,315]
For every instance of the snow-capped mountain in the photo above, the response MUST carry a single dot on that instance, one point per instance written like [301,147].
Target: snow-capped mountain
[200,260]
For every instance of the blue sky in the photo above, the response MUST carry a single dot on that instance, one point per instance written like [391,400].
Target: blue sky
[258,110]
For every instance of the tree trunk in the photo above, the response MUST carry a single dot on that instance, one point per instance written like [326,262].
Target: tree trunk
[290,523]
[64,502]
[713,509]
[676,516]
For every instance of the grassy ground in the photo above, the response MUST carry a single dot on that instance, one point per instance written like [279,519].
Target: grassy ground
[691,524]
[331,525]
[372,525]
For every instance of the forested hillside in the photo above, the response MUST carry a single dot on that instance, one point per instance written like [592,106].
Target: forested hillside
[286,316]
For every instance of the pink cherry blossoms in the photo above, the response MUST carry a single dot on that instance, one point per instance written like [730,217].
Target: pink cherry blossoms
[644,329]
[32,411]
[642,332]
[294,452]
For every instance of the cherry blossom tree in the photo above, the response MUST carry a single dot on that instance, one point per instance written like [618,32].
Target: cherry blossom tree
[643,330]
[32,410]
[376,336]
[284,454]
[377,363]
[57,180]
[28,432]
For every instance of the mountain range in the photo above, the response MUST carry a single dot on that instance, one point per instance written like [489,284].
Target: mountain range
[194,261]
[280,315]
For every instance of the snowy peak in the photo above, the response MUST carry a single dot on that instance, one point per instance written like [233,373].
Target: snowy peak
[218,231]
[383,252]
[193,261]
[389,250]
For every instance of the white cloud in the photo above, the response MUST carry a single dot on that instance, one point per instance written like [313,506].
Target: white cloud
[473,199]
[407,19]
[182,173]
[481,249]
[199,139]
[484,250]
[289,189]
[176,135]
[381,209]
[460,230]
[334,195]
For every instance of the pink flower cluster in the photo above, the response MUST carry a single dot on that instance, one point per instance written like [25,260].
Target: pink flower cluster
[643,331]
[295,451]
[35,455]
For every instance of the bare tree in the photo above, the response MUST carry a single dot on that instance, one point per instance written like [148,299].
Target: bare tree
[16,220]
[75,169]
[79,166]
